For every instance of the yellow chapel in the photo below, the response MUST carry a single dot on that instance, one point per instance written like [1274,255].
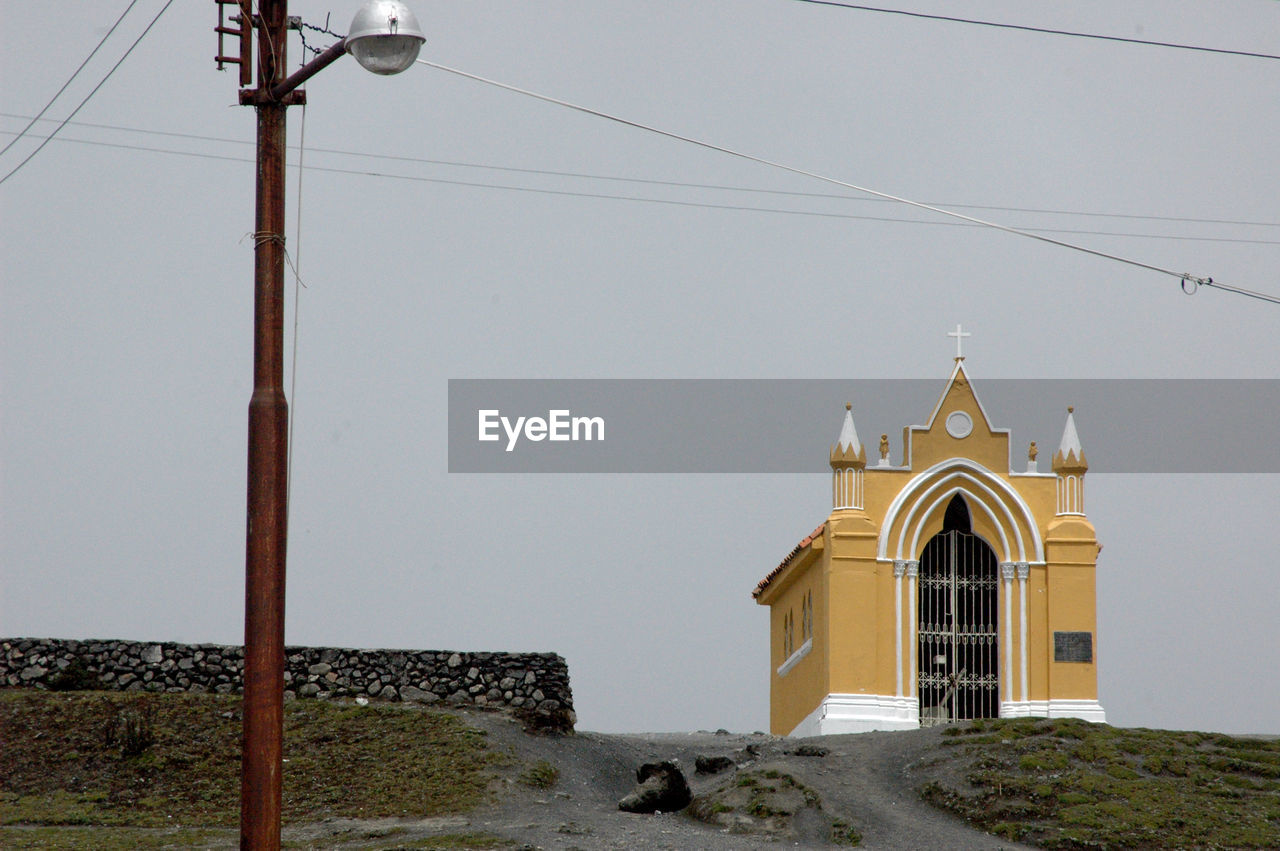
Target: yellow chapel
[949,586]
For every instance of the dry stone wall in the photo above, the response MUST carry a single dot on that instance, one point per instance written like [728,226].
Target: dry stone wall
[520,681]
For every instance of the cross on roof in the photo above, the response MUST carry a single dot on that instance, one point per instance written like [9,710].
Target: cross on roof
[959,335]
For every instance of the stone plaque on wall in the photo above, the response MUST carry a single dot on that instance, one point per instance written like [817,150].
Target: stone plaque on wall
[1073,647]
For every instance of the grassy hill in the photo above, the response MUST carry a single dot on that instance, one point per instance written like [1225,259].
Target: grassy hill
[173,761]
[1071,784]
[111,770]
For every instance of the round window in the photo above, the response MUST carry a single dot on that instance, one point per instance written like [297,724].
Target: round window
[959,425]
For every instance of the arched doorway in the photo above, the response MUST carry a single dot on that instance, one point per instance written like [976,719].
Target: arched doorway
[958,624]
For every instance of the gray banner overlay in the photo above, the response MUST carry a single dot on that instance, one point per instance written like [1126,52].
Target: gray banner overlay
[788,426]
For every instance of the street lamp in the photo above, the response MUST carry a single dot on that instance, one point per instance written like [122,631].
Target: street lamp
[385,38]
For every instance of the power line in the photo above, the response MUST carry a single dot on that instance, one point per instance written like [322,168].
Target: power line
[666,201]
[1185,277]
[101,82]
[669,183]
[74,74]
[1042,30]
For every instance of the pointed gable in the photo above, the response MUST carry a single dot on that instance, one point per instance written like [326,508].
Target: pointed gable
[958,426]
[959,395]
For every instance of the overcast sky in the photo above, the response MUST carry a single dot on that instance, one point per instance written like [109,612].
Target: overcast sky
[441,237]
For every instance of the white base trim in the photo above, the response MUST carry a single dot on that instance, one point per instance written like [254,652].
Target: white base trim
[1024,709]
[864,713]
[1087,710]
[860,713]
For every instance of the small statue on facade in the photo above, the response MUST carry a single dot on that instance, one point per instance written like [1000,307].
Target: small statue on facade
[884,449]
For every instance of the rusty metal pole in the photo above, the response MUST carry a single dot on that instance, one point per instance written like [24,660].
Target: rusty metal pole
[260,778]
[261,787]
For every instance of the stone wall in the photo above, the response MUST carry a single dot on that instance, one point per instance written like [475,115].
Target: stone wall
[520,681]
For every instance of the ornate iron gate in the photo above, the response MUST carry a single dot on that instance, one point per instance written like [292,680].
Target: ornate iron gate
[959,677]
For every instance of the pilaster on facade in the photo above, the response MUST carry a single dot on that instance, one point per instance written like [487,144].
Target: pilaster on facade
[899,571]
[1007,569]
[1024,573]
[913,644]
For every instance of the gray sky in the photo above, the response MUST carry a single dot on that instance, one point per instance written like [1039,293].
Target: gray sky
[125,319]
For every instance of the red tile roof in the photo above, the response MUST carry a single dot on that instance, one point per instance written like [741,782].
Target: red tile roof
[773,574]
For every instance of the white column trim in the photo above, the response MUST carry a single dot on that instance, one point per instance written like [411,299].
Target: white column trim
[899,569]
[1024,571]
[1007,573]
[847,488]
[913,573]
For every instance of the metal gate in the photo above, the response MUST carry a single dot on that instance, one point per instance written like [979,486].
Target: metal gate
[959,677]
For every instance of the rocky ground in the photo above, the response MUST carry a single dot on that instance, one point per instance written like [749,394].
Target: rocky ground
[810,793]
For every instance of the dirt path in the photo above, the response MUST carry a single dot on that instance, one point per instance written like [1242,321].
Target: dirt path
[866,779]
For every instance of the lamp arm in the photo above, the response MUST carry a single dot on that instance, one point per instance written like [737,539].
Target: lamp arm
[323,60]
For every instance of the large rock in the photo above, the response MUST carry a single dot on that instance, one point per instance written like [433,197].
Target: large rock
[711,764]
[768,803]
[413,694]
[34,672]
[661,787]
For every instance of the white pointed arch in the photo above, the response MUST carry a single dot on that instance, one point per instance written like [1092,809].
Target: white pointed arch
[904,523]
[973,505]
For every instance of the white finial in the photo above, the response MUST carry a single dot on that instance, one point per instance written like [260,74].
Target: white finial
[848,434]
[1070,439]
[959,335]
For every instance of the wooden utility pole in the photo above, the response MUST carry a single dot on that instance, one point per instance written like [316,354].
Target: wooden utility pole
[389,38]
[267,529]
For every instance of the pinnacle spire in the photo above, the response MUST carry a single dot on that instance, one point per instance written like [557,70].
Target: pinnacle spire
[1070,453]
[848,439]
[1070,439]
[848,461]
[848,450]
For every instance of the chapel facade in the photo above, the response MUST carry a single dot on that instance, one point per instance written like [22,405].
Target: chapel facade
[947,587]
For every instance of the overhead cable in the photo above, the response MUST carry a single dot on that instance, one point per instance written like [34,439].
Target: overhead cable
[1042,30]
[101,82]
[74,74]
[535,190]
[656,182]
[1185,277]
